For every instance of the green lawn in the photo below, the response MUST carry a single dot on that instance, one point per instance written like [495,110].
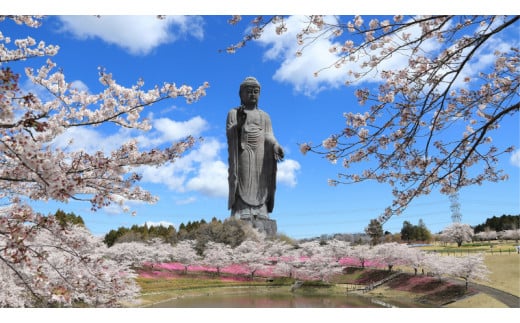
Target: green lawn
[493,248]
[505,272]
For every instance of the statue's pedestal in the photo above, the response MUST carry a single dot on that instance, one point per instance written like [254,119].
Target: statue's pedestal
[265,225]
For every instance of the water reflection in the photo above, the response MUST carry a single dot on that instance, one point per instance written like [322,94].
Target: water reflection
[255,300]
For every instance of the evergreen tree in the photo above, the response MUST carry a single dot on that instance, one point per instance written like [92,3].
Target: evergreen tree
[423,234]
[374,231]
[407,231]
[112,236]
[419,232]
[68,218]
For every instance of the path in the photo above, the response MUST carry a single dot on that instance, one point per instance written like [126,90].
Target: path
[508,299]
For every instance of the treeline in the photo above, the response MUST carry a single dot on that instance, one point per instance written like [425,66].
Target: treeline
[419,232]
[141,233]
[231,232]
[65,218]
[502,223]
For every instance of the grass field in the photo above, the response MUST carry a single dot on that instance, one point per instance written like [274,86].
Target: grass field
[505,273]
[501,259]
[489,248]
[477,301]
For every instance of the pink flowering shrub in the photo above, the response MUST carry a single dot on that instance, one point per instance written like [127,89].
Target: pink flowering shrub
[415,283]
[235,272]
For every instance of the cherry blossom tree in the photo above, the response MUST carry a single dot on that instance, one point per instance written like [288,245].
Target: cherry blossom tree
[277,248]
[46,264]
[458,233]
[439,265]
[321,267]
[362,253]
[471,267]
[307,259]
[185,253]
[320,260]
[422,77]
[217,255]
[337,249]
[289,264]
[251,255]
[32,167]
[392,254]
[285,267]
[135,254]
[416,259]
[513,234]
[487,234]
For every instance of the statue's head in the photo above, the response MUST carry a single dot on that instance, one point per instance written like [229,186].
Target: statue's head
[249,91]
[249,81]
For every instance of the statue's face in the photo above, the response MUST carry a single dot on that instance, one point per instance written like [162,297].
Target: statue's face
[249,95]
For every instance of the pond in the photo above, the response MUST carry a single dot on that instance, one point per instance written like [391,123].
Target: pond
[282,300]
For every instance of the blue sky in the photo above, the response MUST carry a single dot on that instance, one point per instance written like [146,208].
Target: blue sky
[302,109]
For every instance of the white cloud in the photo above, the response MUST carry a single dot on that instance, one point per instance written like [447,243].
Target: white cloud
[173,130]
[298,71]
[200,170]
[160,223]
[515,158]
[211,179]
[171,175]
[137,34]
[167,131]
[79,86]
[287,170]
[121,205]
[90,140]
[164,131]
[113,209]
[185,201]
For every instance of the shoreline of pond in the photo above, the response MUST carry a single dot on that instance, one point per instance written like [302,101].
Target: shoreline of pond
[335,293]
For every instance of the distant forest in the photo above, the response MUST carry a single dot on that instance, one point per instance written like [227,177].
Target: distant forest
[501,223]
[233,232]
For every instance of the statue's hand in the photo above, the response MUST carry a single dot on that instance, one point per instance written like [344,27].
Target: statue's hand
[278,153]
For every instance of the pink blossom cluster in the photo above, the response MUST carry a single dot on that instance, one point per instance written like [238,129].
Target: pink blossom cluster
[41,262]
[44,264]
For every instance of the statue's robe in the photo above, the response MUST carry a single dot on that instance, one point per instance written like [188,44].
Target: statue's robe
[252,164]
